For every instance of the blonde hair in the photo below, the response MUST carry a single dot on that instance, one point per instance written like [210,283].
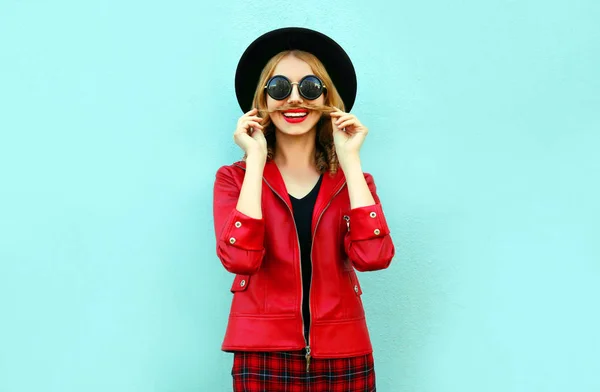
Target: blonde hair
[325,156]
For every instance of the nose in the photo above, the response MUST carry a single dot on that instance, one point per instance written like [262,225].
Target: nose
[295,96]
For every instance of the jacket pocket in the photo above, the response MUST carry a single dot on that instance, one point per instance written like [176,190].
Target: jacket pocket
[240,283]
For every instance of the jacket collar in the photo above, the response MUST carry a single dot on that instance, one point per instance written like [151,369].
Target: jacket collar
[331,185]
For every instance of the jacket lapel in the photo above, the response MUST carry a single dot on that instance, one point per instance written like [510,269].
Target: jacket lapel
[330,186]
[272,177]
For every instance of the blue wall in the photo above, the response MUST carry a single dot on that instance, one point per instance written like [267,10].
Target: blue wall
[115,115]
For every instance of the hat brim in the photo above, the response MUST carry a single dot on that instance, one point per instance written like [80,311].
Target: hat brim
[330,53]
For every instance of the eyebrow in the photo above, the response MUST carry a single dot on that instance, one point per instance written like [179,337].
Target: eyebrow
[301,77]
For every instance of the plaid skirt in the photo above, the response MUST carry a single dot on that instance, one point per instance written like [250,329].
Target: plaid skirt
[286,372]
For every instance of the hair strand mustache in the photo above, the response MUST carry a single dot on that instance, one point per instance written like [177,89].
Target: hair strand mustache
[325,110]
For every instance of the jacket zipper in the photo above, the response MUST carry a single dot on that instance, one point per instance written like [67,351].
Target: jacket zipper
[307,347]
[307,355]
[312,242]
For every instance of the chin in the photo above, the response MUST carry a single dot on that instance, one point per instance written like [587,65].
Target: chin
[295,126]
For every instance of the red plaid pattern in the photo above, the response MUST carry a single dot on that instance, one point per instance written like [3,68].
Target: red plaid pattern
[286,372]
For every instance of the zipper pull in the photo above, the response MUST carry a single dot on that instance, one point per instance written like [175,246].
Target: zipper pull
[347,219]
[307,356]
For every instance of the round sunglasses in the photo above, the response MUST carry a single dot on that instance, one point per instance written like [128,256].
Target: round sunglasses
[279,87]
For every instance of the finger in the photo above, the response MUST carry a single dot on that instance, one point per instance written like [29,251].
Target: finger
[251,113]
[245,120]
[254,124]
[333,124]
[245,125]
[347,123]
[345,117]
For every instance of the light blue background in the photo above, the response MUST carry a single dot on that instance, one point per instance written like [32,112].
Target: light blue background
[484,120]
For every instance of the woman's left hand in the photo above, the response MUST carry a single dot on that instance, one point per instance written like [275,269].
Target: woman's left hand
[348,134]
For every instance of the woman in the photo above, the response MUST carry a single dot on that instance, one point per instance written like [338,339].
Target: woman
[295,218]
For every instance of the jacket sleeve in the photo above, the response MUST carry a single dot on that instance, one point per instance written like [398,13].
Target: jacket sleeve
[367,242]
[240,238]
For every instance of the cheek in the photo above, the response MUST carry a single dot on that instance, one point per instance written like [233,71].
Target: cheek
[270,103]
[319,101]
[316,117]
[273,104]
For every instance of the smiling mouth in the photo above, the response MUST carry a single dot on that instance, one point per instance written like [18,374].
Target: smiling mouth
[295,116]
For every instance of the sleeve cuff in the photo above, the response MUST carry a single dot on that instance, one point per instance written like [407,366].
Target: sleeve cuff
[244,232]
[367,222]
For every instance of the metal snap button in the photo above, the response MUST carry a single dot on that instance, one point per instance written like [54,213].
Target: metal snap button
[238,224]
[376,231]
[232,240]
[373,214]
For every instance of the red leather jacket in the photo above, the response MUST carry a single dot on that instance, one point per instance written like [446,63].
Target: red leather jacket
[266,310]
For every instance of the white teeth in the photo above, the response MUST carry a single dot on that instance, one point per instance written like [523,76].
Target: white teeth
[295,114]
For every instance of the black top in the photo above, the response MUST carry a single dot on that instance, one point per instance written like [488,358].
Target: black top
[303,210]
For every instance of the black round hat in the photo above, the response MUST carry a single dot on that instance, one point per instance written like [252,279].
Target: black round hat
[330,53]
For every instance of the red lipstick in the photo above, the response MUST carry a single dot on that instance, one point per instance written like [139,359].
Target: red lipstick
[295,116]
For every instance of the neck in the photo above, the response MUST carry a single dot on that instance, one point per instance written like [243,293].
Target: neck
[295,152]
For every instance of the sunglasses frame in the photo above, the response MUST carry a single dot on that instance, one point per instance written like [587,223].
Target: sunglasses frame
[323,87]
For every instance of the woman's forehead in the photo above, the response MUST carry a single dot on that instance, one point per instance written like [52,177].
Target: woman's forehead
[292,67]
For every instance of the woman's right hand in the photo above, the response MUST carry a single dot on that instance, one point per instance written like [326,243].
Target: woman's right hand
[249,136]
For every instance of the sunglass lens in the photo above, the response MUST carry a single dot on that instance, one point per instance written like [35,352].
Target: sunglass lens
[279,88]
[311,87]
